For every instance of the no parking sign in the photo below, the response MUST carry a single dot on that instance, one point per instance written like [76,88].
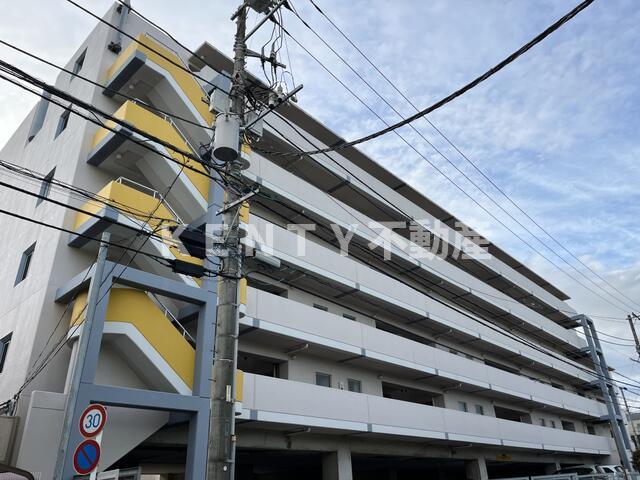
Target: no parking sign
[87,455]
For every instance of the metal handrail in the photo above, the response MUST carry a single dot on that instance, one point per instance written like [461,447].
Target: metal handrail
[169,314]
[174,125]
[150,191]
[171,122]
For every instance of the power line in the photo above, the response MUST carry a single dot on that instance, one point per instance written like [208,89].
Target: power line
[173,38]
[469,179]
[441,172]
[33,178]
[104,87]
[119,133]
[90,108]
[89,213]
[450,142]
[157,258]
[57,349]
[378,194]
[489,73]
[488,323]
[159,53]
[22,75]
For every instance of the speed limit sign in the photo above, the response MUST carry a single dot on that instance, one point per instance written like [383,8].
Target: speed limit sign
[92,420]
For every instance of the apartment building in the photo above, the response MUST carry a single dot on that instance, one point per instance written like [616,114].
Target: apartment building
[381,360]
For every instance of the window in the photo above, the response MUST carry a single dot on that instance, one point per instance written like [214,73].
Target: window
[62,123]
[543,422]
[77,66]
[553,424]
[569,426]
[591,430]
[479,409]
[350,317]
[4,346]
[323,379]
[354,385]
[39,116]
[320,307]
[46,186]
[25,262]
[462,406]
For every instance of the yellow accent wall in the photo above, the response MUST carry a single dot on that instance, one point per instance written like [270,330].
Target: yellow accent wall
[242,285]
[135,307]
[187,83]
[131,201]
[157,126]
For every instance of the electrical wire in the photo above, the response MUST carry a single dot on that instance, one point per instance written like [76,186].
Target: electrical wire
[22,75]
[489,73]
[492,325]
[91,214]
[351,174]
[441,172]
[469,179]
[31,177]
[457,149]
[57,349]
[105,88]
[193,53]
[114,130]
[83,78]
[158,258]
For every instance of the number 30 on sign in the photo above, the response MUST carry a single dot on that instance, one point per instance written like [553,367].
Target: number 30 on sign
[92,420]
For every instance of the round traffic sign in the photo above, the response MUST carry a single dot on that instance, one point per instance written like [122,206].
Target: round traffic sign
[92,420]
[86,457]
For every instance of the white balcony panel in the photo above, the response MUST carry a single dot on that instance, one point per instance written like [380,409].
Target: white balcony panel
[329,264]
[354,338]
[313,199]
[294,403]
[395,198]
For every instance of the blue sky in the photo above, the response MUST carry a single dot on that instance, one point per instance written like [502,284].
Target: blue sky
[557,130]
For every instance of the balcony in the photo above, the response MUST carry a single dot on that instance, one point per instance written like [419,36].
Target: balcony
[283,404]
[500,272]
[354,343]
[126,208]
[148,68]
[442,276]
[336,277]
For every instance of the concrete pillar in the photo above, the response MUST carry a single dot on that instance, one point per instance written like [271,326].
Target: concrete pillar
[337,465]
[476,469]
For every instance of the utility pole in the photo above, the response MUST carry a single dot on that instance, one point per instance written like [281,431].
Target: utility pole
[633,425]
[222,420]
[227,148]
[633,331]
[614,414]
